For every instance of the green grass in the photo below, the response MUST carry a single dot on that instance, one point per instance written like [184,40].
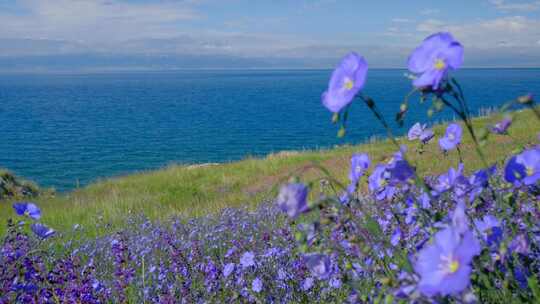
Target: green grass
[197,191]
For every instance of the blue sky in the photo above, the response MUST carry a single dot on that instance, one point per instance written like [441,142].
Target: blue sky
[316,32]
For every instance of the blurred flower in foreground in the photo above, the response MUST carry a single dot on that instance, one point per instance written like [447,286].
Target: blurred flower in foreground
[27,209]
[452,137]
[433,58]
[41,230]
[444,265]
[346,81]
[292,199]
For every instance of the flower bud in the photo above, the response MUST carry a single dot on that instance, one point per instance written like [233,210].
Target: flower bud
[341,132]
[403,107]
[335,118]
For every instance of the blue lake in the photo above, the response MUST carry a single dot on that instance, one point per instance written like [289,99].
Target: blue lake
[61,130]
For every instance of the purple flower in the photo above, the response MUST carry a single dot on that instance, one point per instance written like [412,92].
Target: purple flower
[359,164]
[335,283]
[490,229]
[524,167]
[256,285]
[415,131]
[292,199]
[27,209]
[514,171]
[426,136]
[396,237]
[451,138]
[400,172]
[41,230]
[502,126]
[307,284]
[530,159]
[433,58]
[460,222]
[520,244]
[480,180]
[448,180]
[247,259]
[378,183]
[444,265]
[420,132]
[228,269]
[346,81]
[319,265]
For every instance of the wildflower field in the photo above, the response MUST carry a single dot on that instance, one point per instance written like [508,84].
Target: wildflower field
[447,214]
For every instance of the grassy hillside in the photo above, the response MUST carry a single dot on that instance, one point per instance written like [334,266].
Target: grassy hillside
[199,190]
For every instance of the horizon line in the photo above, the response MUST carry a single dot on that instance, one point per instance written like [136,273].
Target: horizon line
[154,70]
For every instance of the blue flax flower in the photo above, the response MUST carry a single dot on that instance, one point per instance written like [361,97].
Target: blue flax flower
[292,199]
[347,80]
[378,183]
[502,126]
[41,230]
[257,285]
[479,180]
[228,269]
[415,131]
[448,180]
[27,209]
[436,55]
[444,265]
[359,164]
[490,229]
[460,222]
[452,137]
[319,265]
[426,136]
[524,167]
[247,259]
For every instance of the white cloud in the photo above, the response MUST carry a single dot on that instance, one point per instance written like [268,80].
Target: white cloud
[401,20]
[519,6]
[93,20]
[515,31]
[429,11]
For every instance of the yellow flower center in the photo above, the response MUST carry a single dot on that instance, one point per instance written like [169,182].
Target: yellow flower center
[449,265]
[453,266]
[530,171]
[439,64]
[348,84]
